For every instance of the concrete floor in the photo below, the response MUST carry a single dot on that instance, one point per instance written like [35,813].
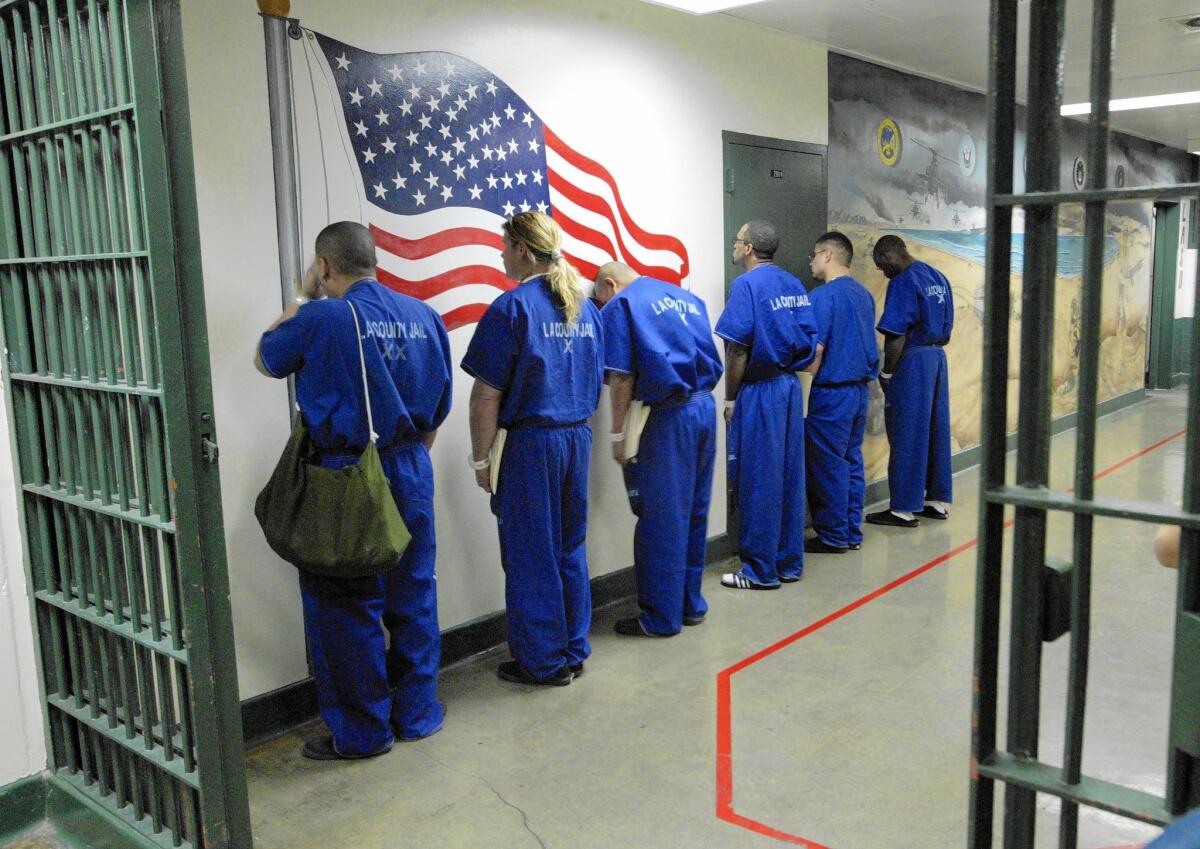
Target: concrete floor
[854,736]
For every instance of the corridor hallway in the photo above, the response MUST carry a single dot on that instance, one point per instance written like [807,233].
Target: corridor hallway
[853,735]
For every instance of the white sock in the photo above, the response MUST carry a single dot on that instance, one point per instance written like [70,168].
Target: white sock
[939,506]
[904,514]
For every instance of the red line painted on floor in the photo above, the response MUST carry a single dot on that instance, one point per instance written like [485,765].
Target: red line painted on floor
[724,775]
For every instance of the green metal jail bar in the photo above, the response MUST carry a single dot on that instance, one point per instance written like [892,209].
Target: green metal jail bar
[102,309]
[1033,578]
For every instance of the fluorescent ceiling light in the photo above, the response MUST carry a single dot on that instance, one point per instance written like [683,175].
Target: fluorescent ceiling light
[703,7]
[1153,101]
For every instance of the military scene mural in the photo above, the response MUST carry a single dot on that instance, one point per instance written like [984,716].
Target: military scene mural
[908,156]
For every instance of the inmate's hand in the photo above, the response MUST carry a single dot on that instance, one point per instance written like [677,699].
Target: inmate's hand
[483,477]
[729,415]
[311,286]
[619,452]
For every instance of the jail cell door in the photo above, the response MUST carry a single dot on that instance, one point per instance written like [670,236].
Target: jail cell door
[106,367]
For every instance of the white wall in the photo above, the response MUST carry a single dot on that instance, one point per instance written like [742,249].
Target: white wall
[644,90]
[22,738]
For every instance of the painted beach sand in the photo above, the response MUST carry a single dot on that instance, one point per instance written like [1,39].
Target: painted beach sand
[959,255]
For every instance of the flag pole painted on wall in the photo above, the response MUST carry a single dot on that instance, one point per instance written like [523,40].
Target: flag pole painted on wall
[276,30]
[442,152]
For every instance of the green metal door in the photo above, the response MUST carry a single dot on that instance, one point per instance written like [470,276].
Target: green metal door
[1161,355]
[108,380]
[778,181]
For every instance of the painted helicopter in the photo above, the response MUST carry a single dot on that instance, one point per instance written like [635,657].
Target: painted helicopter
[933,184]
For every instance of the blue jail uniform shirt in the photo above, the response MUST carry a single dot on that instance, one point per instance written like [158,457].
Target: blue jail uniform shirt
[920,306]
[407,354]
[661,335]
[845,313]
[769,312]
[549,371]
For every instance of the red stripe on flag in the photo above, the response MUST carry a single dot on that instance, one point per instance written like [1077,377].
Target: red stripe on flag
[596,204]
[585,268]
[599,240]
[465,276]
[650,240]
[464,315]
[455,237]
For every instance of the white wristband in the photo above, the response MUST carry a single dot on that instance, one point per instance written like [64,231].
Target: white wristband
[616,437]
[883,375]
[729,404]
[478,465]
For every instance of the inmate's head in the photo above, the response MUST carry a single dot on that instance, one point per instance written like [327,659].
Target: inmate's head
[611,278]
[347,249]
[891,255]
[832,251]
[756,241]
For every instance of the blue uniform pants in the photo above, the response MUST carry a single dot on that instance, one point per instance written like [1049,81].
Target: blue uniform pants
[367,692]
[766,462]
[917,418]
[541,509]
[670,486]
[833,436]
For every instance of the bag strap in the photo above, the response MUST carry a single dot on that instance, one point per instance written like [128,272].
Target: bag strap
[362,361]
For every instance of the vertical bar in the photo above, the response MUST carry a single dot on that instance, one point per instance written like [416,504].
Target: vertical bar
[25,93]
[98,239]
[97,63]
[1033,453]
[1183,769]
[1091,298]
[287,206]
[116,31]
[997,308]
[38,61]
[56,63]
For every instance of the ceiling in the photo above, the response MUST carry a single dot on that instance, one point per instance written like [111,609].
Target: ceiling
[948,40]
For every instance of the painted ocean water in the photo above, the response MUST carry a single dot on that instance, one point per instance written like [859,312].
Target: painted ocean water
[971,244]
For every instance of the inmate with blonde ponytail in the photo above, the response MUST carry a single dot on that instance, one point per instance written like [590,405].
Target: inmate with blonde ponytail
[543,238]
[537,357]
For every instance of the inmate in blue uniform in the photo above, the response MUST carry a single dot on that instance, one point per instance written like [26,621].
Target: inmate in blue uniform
[549,373]
[837,410]
[769,312]
[660,334]
[366,694]
[920,307]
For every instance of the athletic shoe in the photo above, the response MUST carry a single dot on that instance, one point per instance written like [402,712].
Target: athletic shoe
[738,581]
[887,517]
[512,671]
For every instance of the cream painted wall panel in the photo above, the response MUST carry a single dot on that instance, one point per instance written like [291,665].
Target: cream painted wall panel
[22,735]
[643,90]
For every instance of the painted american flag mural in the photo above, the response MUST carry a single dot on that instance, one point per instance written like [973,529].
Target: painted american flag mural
[446,152]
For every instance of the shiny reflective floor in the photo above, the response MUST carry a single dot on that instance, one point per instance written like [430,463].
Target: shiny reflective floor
[853,735]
